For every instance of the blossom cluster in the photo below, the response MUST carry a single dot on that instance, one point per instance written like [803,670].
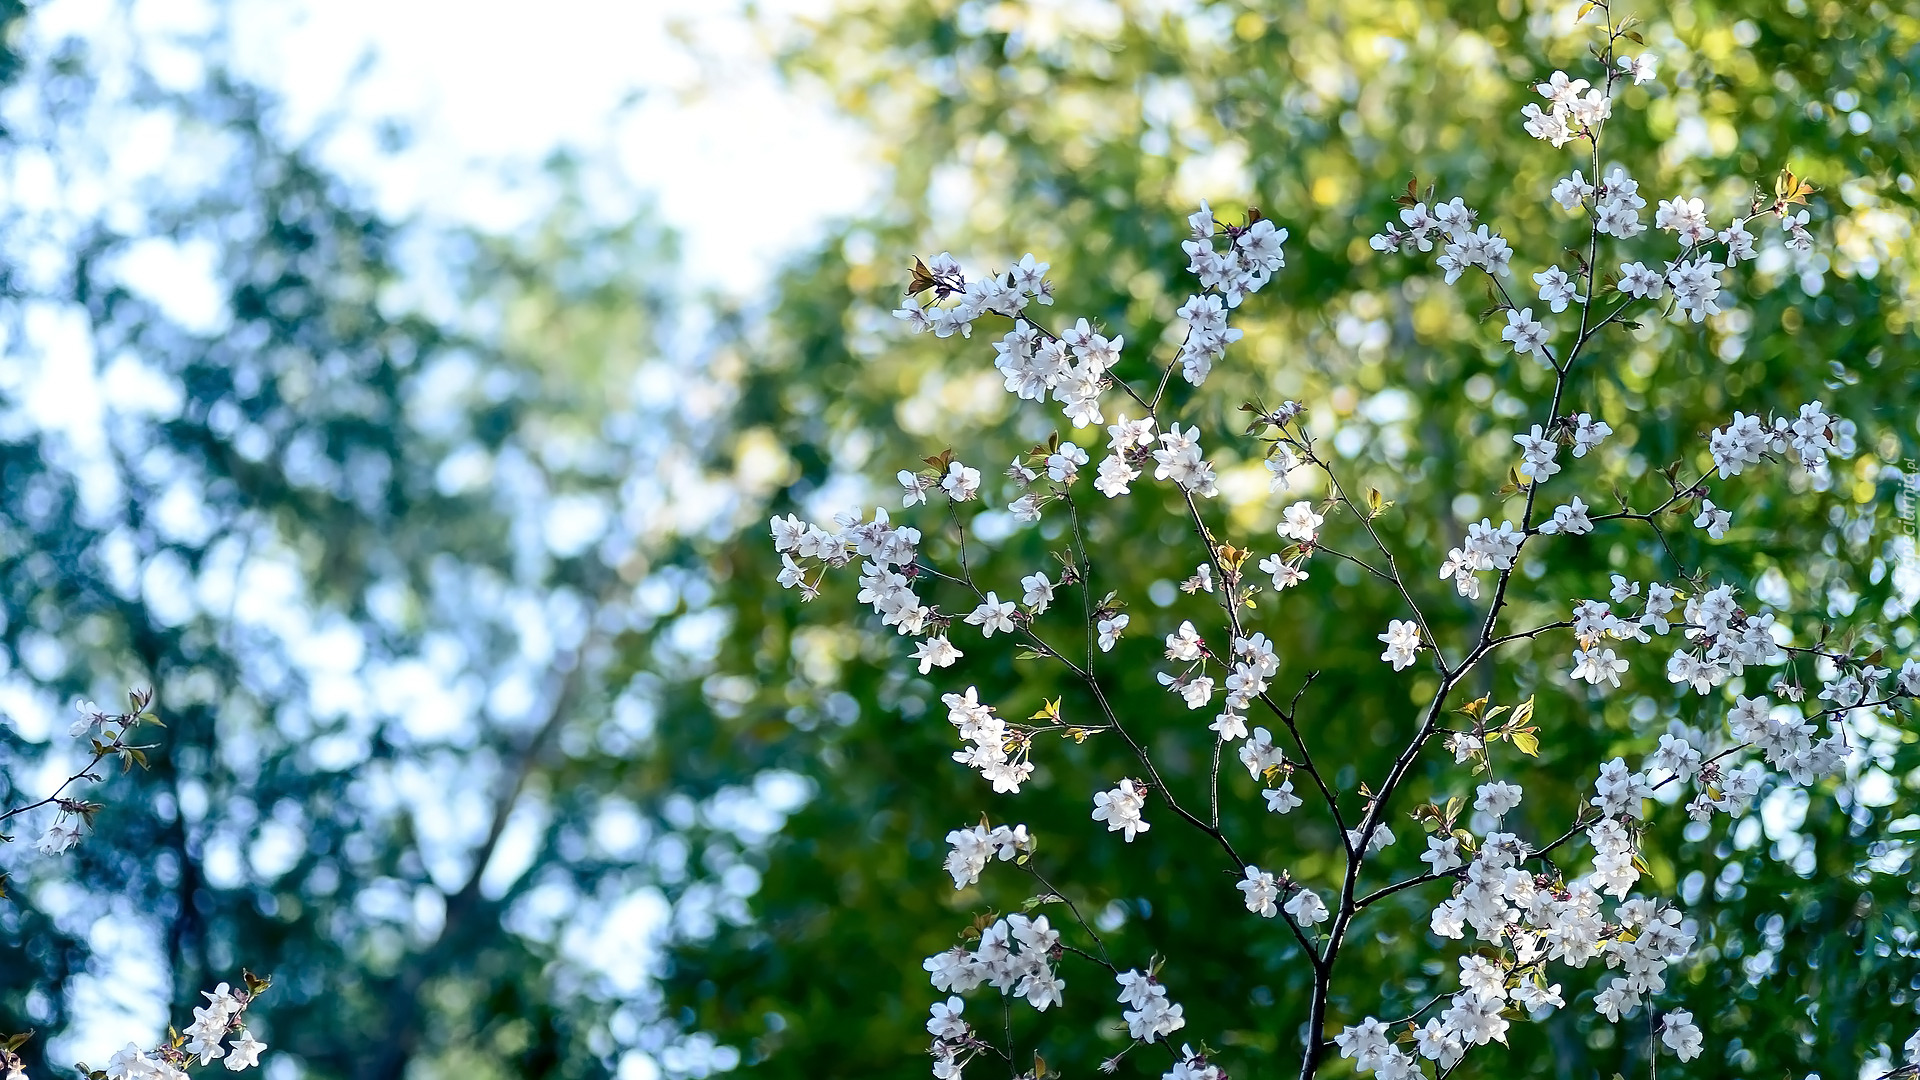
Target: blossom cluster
[1531,919]
[1001,757]
[973,847]
[1252,661]
[1812,435]
[218,1033]
[1015,956]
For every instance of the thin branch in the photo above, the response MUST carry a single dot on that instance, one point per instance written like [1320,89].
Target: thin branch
[84,774]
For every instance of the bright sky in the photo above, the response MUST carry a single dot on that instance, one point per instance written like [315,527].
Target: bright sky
[678,93]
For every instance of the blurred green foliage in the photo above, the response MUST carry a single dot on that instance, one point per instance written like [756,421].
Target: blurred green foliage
[1085,132]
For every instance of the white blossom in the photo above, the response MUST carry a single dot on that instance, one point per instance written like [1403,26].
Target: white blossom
[91,716]
[1619,791]
[1121,809]
[960,483]
[1713,519]
[1570,518]
[1285,574]
[1279,462]
[1180,461]
[1037,592]
[1281,799]
[1306,907]
[60,837]
[1497,798]
[1259,754]
[1598,665]
[1150,1015]
[1696,286]
[1063,465]
[1192,1066]
[1195,690]
[1537,454]
[1030,278]
[1527,334]
[1739,243]
[935,652]
[1381,837]
[1403,641]
[1537,999]
[1482,979]
[1588,433]
[1365,1043]
[1184,645]
[1261,891]
[1640,282]
[1301,523]
[1680,1035]
[945,1021]
[1686,217]
[1572,191]
[1557,290]
[1442,854]
[993,615]
[1617,211]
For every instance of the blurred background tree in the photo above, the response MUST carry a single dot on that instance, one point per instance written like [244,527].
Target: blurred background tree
[394,543]
[445,552]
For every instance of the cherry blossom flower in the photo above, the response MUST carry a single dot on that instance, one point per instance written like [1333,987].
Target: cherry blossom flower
[1184,645]
[935,652]
[993,615]
[1680,1035]
[1642,67]
[60,837]
[1527,334]
[1261,891]
[1570,518]
[960,483]
[1281,799]
[1572,191]
[1121,808]
[1301,523]
[1037,592]
[1306,907]
[1557,290]
[1497,798]
[1403,641]
[1637,281]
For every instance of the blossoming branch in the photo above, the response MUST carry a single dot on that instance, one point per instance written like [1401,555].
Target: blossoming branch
[1535,909]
